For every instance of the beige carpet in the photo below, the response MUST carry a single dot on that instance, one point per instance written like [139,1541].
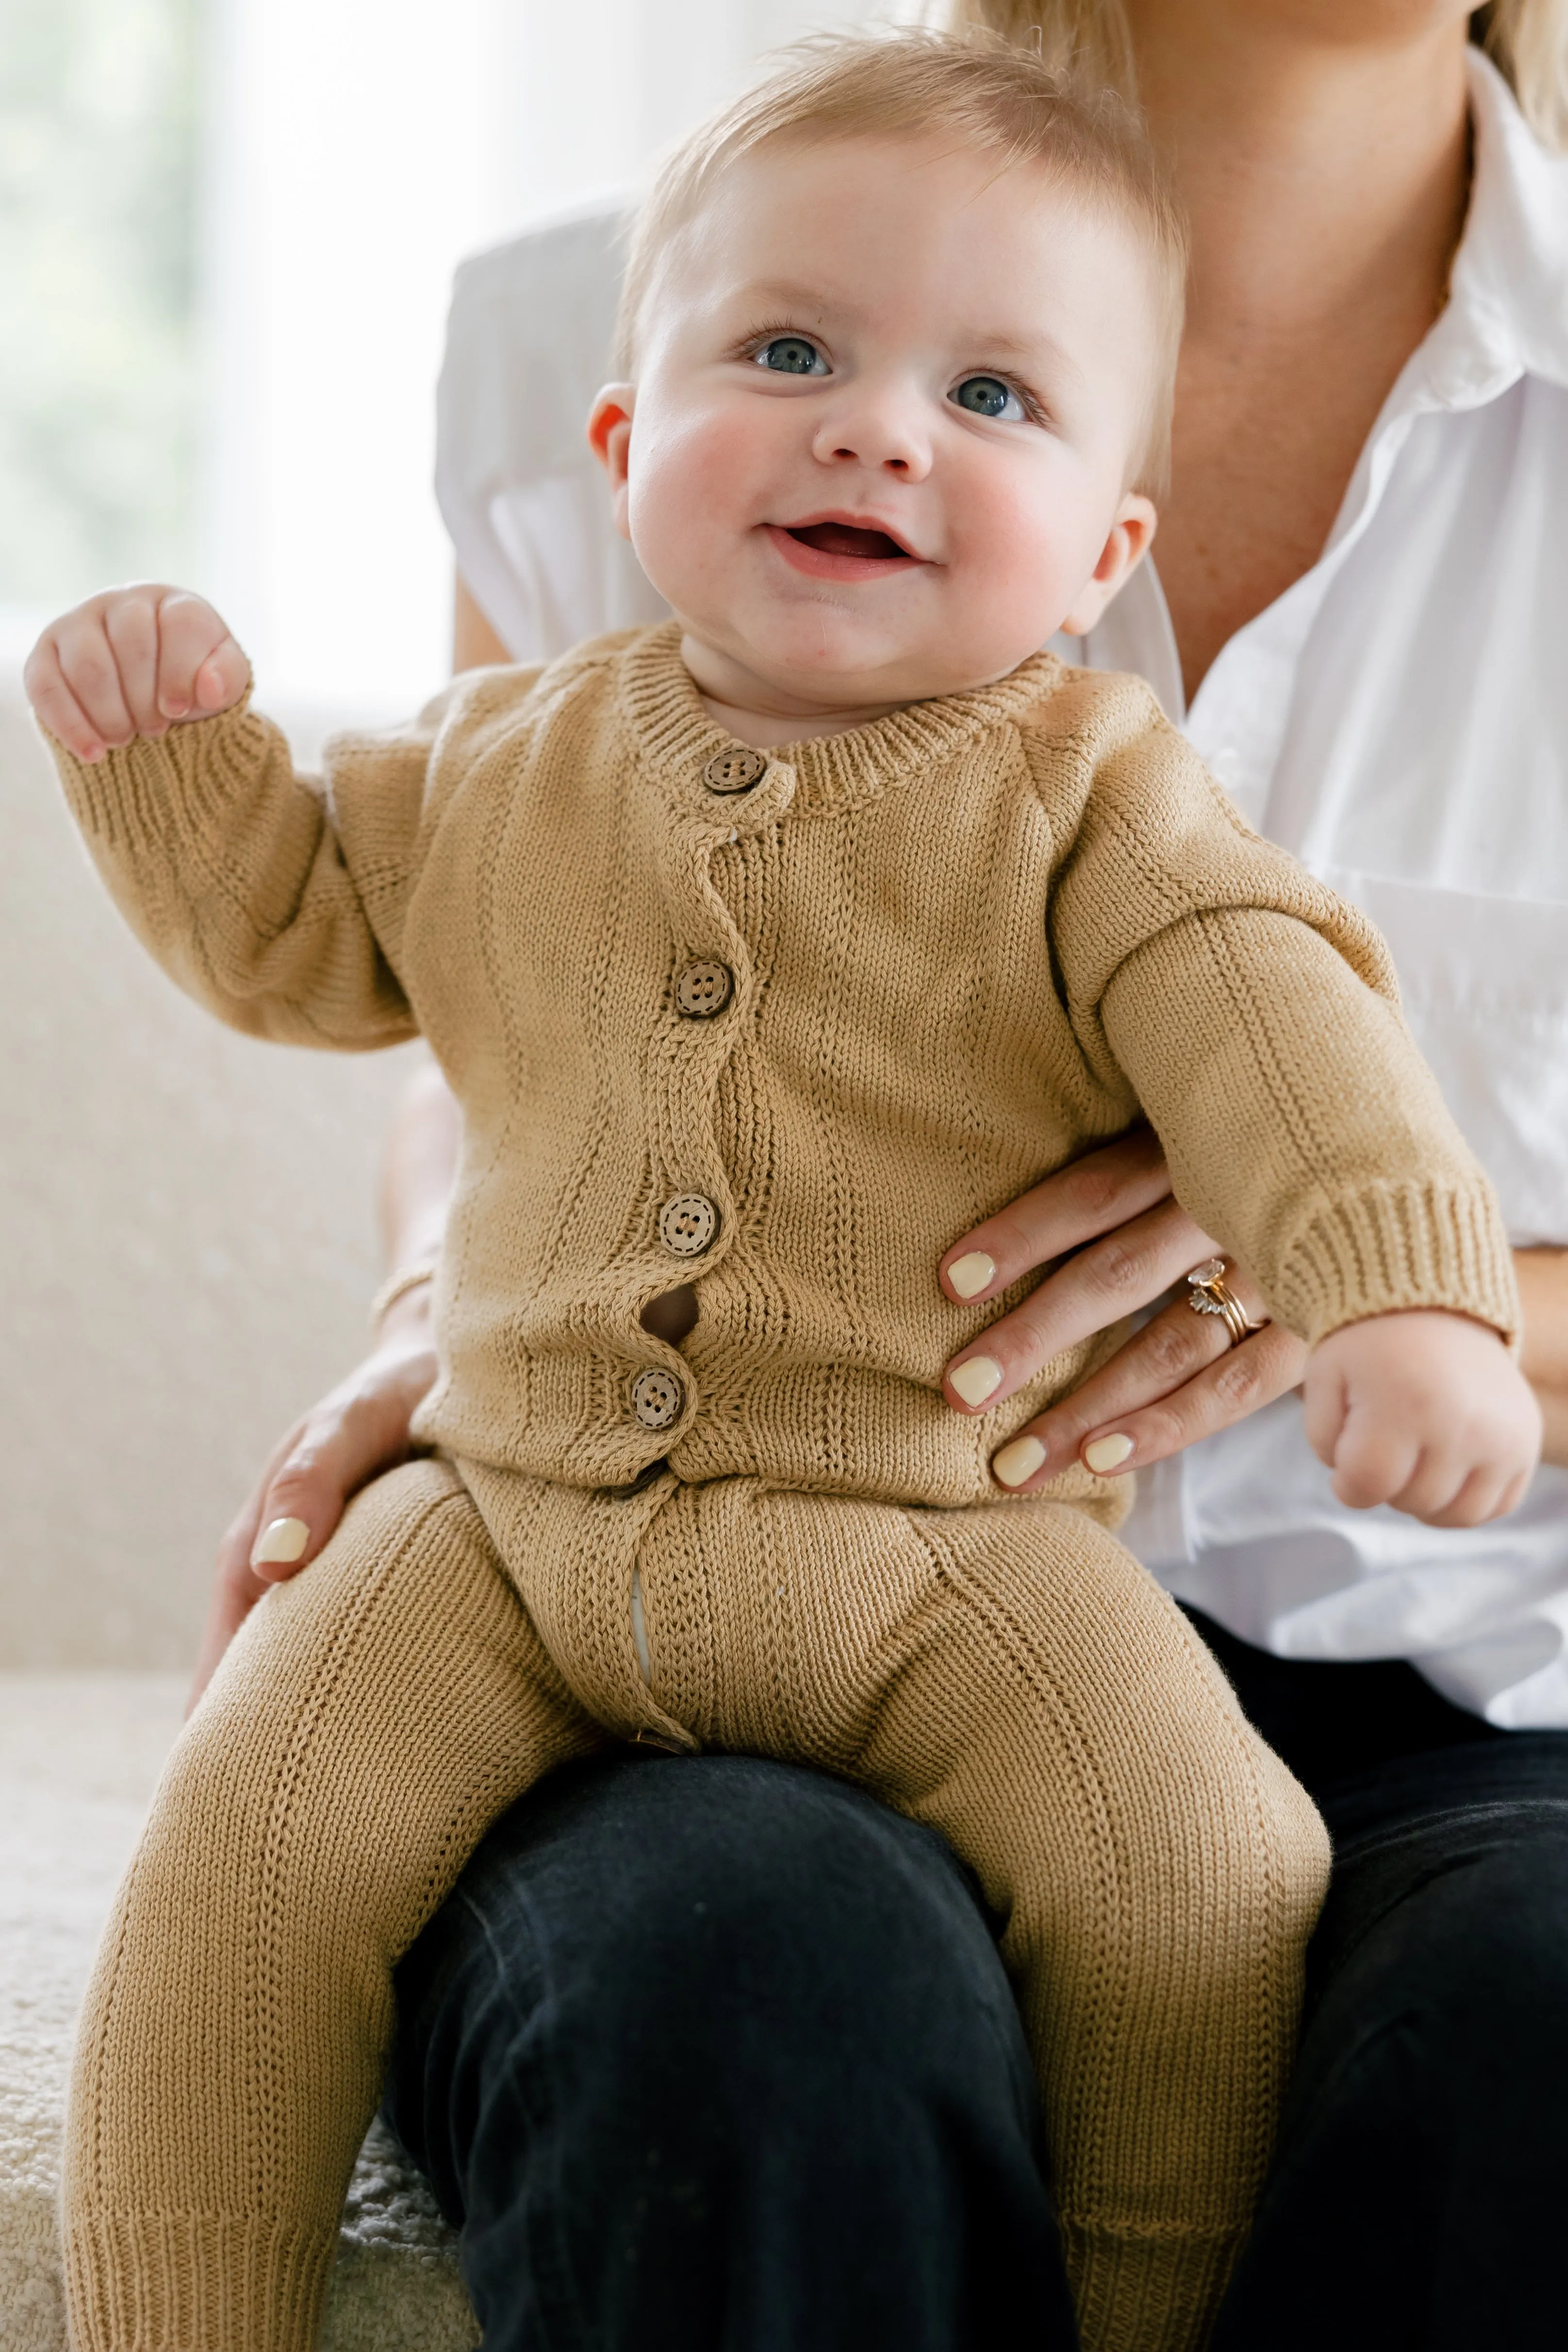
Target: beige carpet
[78,1757]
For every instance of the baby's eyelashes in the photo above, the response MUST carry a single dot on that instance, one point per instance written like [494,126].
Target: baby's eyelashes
[791,355]
[987,396]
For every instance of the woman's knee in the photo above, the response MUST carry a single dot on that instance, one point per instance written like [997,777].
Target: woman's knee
[700,1940]
[679,2008]
[680,1902]
[1472,1962]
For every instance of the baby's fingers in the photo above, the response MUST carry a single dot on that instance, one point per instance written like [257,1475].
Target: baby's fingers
[1444,1478]
[1372,1464]
[56,706]
[1485,1495]
[130,626]
[90,671]
[201,669]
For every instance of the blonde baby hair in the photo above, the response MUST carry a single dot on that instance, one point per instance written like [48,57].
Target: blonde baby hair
[973,87]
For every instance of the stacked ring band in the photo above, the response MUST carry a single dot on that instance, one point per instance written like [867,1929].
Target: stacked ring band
[1211,1294]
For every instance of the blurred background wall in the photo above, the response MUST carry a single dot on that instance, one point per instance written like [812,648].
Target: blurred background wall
[227,229]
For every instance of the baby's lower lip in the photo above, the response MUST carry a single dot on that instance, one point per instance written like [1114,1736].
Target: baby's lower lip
[835,563]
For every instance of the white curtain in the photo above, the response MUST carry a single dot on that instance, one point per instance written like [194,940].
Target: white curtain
[358,149]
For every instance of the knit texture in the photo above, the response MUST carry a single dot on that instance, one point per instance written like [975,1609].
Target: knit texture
[966,943]
[953,950]
[1013,1679]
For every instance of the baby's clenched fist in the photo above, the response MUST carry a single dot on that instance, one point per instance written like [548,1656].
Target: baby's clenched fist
[133,661]
[1425,1410]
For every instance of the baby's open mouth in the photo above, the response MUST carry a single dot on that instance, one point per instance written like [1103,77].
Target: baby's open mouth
[848,539]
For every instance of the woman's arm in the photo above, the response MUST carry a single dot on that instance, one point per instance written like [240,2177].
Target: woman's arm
[474,644]
[361,1428]
[1543,1294]
[1125,1241]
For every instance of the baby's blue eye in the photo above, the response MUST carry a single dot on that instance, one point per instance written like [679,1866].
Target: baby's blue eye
[987,396]
[792,355]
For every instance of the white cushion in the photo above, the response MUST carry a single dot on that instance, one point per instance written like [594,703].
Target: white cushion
[79,1756]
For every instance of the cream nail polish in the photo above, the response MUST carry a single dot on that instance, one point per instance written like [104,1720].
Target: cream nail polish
[976,1379]
[969,1273]
[1012,1463]
[284,1541]
[1108,1453]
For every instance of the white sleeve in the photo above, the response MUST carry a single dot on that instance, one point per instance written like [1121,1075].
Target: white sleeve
[527,346]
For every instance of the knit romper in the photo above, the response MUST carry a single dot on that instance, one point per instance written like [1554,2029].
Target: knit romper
[782,1026]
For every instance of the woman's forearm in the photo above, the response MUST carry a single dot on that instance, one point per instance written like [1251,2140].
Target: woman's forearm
[420,1164]
[474,644]
[1543,1289]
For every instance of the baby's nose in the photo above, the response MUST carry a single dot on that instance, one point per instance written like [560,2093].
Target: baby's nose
[887,443]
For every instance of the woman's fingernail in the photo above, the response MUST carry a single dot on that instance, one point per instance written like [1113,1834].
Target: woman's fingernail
[1105,1453]
[284,1540]
[976,1379]
[969,1273]
[1017,1462]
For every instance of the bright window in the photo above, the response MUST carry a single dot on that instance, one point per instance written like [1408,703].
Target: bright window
[227,230]
[99,167]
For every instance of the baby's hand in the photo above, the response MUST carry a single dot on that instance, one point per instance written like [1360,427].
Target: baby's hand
[132,662]
[1424,1411]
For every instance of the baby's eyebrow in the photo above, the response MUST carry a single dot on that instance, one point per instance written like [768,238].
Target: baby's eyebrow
[794,294]
[1026,351]
[977,343]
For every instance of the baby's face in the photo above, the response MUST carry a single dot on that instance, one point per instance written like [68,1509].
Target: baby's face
[887,401]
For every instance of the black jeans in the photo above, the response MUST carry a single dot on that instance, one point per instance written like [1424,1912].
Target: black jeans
[718,2054]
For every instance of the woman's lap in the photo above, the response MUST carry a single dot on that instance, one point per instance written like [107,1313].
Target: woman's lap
[712,2052]
[720,2051]
[1422,2171]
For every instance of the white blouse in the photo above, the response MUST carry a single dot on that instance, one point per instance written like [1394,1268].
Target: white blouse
[1398,719]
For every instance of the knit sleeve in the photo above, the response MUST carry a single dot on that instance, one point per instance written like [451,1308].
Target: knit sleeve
[1256,1017]
[277,899]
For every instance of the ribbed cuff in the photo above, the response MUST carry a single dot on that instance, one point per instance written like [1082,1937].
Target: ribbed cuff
[178,787]
[1146,2290]
[193,2282]
[1397,1246]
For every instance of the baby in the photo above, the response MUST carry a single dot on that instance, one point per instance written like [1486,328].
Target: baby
[756,947]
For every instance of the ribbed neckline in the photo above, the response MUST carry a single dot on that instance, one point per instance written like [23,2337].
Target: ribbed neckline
[677,737]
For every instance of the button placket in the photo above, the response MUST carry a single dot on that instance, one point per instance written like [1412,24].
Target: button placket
[690,1223]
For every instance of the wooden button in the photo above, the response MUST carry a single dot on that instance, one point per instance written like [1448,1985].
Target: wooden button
[703,990]
[734,771]
[687,1225]
[658,1399]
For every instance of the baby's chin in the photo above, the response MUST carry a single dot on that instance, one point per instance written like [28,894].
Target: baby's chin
[821,662]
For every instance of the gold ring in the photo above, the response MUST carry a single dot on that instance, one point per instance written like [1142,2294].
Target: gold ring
[1211,1294]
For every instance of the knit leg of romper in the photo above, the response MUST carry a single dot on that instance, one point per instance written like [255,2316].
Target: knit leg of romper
[374,1717]
[1014,1677]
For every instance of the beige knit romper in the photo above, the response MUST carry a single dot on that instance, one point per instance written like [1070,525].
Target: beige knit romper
[782,1027]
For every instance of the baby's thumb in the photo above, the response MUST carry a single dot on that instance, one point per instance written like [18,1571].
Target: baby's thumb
[222,678]
[1325,1404]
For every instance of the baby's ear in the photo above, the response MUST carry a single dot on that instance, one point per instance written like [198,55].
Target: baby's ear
[1126,544]
[609,439]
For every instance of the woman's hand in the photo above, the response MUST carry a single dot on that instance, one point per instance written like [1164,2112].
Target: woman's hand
[1176,1380]
[350,1438]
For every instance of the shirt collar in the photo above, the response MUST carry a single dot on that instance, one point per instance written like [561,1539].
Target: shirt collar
[1507,313]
